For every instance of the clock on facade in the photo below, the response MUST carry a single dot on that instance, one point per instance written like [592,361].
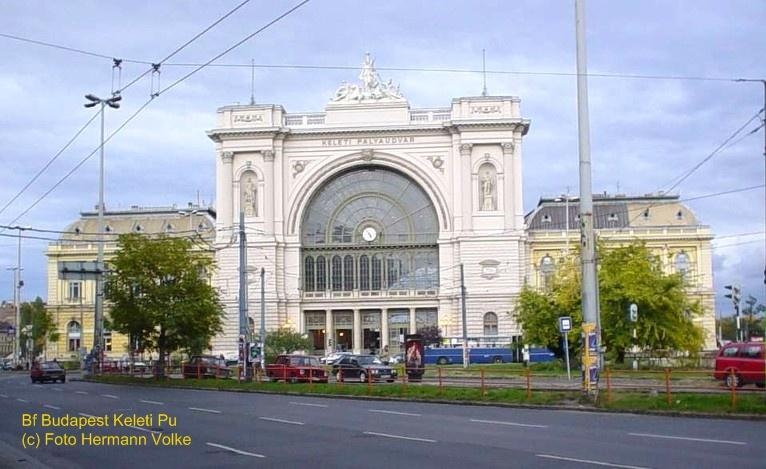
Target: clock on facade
[369,234]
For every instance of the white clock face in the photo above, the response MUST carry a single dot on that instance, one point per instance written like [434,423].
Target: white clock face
[369,234]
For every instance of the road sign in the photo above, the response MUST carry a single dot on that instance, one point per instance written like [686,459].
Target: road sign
[633,312]
[565,324]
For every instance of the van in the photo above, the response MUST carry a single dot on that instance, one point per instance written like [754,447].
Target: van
[740,363]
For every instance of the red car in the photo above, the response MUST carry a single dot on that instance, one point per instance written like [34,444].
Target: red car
[206,366]
[740,363]
[296,368]
[47,371]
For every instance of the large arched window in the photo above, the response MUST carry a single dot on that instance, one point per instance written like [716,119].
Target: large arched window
[373,224]
[74,336]
[490,323]
[682,263]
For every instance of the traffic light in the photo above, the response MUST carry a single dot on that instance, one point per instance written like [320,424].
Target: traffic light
[734,296]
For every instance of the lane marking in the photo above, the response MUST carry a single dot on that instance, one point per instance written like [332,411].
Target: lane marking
[512,424]
[57,389]
[399,437]
[393,412]
[4,395]
[81,392]
[151,402]
[37,385]
[48,406]
[688,438]
[233,450]
[21,400]
[110,396]
[147,430]
[85,415]
[210,411]
[589,461]
[291,422]
[308,404]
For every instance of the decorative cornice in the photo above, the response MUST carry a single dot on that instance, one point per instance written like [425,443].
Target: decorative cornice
[227,157]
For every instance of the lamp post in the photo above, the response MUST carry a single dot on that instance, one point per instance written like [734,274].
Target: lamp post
[191,214]
[98,313]
[17,284]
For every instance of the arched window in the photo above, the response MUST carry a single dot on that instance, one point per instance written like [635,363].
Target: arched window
[337,273]
[547,268]
[682,263]
[321,267]
[74,332]
[348,273]
[377,274]
[364,272]
[308,273]
[490,323]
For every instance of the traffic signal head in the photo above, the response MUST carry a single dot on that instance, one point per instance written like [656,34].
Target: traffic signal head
[734,295]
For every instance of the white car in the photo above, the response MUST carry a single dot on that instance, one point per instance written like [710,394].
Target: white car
[333,357]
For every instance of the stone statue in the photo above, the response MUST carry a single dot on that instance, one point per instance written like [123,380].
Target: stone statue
[371,88]
[250,196]
[487,191]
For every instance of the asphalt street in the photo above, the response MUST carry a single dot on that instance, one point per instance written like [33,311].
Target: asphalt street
[228,429]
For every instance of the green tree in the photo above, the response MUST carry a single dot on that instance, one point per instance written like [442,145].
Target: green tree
[627,274]
[160,295]
[285,340]
[37,328]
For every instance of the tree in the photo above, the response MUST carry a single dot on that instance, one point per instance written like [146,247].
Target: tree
[432,335]
[626,275]
[37,328]
[160,295]
[285,340]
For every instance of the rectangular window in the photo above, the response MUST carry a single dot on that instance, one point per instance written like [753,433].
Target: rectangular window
[75,291]
[74,345]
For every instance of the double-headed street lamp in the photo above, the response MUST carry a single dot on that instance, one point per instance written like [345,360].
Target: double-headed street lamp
[98,314]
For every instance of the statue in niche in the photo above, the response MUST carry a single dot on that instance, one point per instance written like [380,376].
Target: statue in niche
[487,188]
[250,198]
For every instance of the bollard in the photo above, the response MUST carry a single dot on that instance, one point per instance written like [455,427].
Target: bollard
[733,389]
[198,370]
[439,369]
[369,381]
[404,380]
[483,385]
[528,376]
[667,385]
[311,379]
[608,385]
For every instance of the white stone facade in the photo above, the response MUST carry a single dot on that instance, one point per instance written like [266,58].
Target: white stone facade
[466,159]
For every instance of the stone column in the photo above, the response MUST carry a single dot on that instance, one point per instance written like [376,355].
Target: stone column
[518,197]
[509,189]
[383,328]
[357,334]
[225,191]
[328,331]
[269,189]
[466,186]
[413,324]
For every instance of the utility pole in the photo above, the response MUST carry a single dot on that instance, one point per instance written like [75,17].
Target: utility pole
[16,335]
[465,325]
[589,287]
[98,313]
[243,345]
[263,319]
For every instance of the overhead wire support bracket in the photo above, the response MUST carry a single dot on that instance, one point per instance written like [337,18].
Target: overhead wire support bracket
[116,68]
[155,72]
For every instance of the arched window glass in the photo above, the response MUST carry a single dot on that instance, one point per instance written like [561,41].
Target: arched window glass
[348,273]
[547,268]
[337,273]
[377,274]
[364,272]
[308,273]
[321,268]
[74,332]
[490,323]
[682,263]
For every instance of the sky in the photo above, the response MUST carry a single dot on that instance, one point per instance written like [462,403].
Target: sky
[662,100]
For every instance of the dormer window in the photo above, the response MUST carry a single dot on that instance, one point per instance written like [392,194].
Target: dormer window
[138,228]
[680,215]
[546,218]
[77,231]
[107,229]
[646,214]
[612,217]
[168,228]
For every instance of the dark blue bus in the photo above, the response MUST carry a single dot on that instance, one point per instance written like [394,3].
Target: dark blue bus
[479,355]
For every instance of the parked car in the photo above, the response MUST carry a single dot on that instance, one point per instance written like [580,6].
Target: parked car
[740,363]
[206,366]
[333,357]
[395,359]
[363,368]
[47,371]
[296,368]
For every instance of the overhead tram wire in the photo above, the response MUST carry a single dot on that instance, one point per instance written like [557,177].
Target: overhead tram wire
[140,109]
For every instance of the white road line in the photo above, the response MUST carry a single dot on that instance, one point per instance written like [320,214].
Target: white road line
[309,405]
[291,422]
[4,395]
[37,385]
[588,461]
[80,392]
[399,437]
[199,409]
[57,389]
[512,424]
[237,451]
[687,438]
[21,400]
[151,402]
[393,412]
[48,406]
[147,430]
[85,415]
[109,396]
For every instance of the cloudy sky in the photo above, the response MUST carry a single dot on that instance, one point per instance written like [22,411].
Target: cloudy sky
[663,99]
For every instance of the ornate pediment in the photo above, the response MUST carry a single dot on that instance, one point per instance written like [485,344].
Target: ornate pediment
[372,87]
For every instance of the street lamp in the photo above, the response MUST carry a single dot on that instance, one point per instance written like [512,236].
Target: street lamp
[17,284]
[191,214]
[98,312]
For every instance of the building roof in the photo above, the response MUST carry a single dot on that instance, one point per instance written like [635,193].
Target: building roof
[611,211]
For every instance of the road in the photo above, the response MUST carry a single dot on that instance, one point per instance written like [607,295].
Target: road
[226,429]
